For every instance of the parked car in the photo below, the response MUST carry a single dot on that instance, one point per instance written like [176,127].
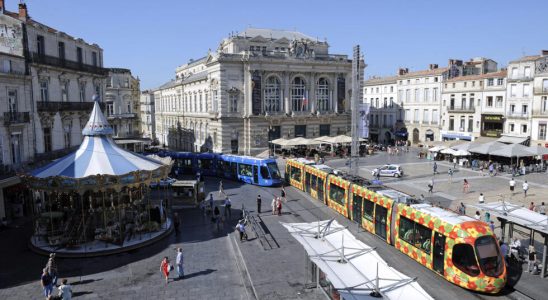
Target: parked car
[388,170]
[162,183]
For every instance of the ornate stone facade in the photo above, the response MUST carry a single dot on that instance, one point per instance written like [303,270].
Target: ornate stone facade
[259,85]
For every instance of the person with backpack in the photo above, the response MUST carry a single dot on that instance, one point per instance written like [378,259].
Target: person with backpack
[46,282]
[241,229]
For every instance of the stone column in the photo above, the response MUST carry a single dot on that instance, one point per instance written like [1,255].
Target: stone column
[312,92]
[286,94]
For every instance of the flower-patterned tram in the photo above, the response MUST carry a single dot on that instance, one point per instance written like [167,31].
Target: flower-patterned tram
[458,248]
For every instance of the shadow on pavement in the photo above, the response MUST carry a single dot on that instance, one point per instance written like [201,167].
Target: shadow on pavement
[200,273]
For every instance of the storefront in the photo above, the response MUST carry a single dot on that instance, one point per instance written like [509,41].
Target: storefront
[492,125]
[429,135]
[452,135]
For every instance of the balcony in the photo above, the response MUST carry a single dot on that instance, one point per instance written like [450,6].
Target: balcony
[66,106]
[12,118]
[53,61]
[122,116]
[541,90]
[540,113]
[517,115]
[520,77]
[461,109]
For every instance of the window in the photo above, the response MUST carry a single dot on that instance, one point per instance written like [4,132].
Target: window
[300,130]
[408,95]
[490,82]
[500,81]
[527,72]
[489,257]
[514,73]
[417,95]
[526,90]
[415,234]
[336,194]
[97,89]
[489,101]
[110,110]
[473,83]
[298,95]
[325,129]
[47,139]
[425,116]
[82,91]
[544,104]
[465,84]
[61,50]
[524,128]
[524,109]
[426,95]
[44,93]
[464,258]
[391,89]
[416,116]
[322,94]
[513,90]
[498,102]
[129,106]
[272,94]
[435,94]
[246,170]
[400,96]
[511,127]
[94,58]
[233,102]
[295,174]
[470,124]
[64,91]
[79,55]
[435,116]
[462,121]
[545,85]
[40,45]
[391,102]
[451,123]
[368,207]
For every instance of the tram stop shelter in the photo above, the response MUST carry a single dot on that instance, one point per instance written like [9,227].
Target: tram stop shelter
[346,268]
[522,220]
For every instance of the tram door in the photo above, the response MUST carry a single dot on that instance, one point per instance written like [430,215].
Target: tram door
[357,208]
[439,252]
[380,221]
[255,174]
[307,182]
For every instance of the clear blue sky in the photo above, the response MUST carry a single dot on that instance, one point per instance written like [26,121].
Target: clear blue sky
[152,38]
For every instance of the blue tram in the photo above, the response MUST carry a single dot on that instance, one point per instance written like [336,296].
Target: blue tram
[252,170]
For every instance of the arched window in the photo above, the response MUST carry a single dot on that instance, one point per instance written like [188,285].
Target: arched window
[299,98]
[322,95]
[272,95]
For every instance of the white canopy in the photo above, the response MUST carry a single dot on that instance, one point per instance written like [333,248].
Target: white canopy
[516,214]
[280,142]
[465,146]
[448,151]
[461,153]
[437,148]
[486,148]
[352,267]
[538,150]
[513,150]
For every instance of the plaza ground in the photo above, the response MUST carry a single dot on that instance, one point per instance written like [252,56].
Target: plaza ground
[219,266]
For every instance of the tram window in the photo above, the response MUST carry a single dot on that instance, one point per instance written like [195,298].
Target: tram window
[313,180]
[320,184]
[423,239]
[204,164]
[368,207]
[264,173]
[415,234]
[464,259]
[245,170]
[234,170]
[186,162]
[489,257]
[274,171]
[296,174]
[407,230]
[336,194]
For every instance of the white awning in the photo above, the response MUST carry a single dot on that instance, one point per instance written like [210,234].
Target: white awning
[354,269]
[509,139]
[516,214]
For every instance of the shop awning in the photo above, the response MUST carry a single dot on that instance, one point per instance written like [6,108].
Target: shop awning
[510,139]
[354,269]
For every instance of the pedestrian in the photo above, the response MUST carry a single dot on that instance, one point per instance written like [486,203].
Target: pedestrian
[179,261]
[503,249]
[487,217]
[477,216]
[283,194]
[462,209]
[51,267]
[481,169]
[435,168]
[492,226]
[542,209]
[176,222]
[481,198]
[525,187]
[491,169]
[274,205]
[211,202]
[228,208]
[423,199]
[512,184]
[515,248]
[532,206]
[279,207]
[531,259]
[47,283]
[165,267]
[217,216]
[241,229]
[203,207]
[259,204]
[450,172]
[65,290]
[465,186]
[431,186]
[221,189]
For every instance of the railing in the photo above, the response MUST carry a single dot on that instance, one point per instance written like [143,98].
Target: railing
[122,116]
[16,118]
[66,106]
[541,90]
[520,77]
[516,114]
[12,72]
[38,58]
[462,109]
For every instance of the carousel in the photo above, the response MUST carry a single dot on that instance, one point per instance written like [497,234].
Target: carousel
[96,200]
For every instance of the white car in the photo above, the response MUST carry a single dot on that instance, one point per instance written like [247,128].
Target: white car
[167,182]
[388,170]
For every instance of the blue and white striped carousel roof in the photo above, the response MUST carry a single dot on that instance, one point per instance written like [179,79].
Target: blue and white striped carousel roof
[98,155]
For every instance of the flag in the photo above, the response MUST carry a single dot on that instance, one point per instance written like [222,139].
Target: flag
[305,101]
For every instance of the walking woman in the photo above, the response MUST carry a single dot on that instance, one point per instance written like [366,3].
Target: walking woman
[165,268]
[274,205]
[221,189]
[283,194]
[279,207]
[465,186]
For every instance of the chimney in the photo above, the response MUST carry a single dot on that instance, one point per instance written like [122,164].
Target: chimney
[433,66]
[451,62]
[403,71]
[23,14]
[544,52]
[2,6]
